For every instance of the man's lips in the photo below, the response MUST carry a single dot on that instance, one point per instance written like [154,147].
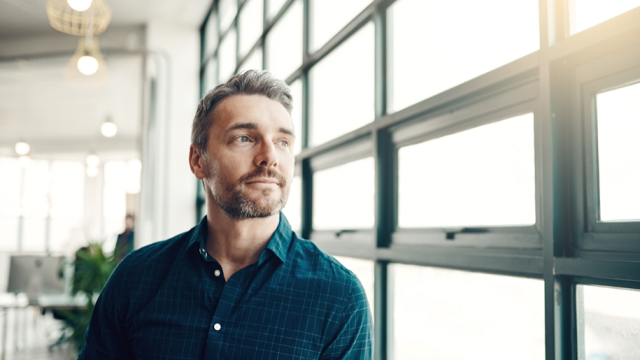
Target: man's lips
[263,181]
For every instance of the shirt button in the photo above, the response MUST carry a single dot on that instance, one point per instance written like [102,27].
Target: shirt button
[216,273]
[217,327]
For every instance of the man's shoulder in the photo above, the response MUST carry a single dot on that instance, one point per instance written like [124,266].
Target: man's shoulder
[321,265]
[149,261]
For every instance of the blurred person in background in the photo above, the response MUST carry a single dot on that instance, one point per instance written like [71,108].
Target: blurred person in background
[241,284]
[124,244]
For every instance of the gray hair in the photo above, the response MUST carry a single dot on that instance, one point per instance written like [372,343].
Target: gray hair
[250,82]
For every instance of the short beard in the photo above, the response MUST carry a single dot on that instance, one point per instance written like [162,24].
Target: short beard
[231,197]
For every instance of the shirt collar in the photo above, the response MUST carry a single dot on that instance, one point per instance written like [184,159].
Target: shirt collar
[278,244]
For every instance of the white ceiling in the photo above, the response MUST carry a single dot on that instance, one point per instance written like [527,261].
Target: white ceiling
[28,17]
[38,104]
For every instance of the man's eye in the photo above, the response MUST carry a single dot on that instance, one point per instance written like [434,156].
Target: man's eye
[284,143]
[243,139]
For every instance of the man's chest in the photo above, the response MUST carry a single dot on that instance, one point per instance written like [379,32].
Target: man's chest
[280,316]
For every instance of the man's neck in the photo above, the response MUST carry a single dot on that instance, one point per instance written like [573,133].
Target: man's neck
[234,243]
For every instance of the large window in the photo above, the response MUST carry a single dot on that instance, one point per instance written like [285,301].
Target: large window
[475,163]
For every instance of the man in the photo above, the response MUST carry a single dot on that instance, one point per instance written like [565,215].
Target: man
[241,284]
[124,243]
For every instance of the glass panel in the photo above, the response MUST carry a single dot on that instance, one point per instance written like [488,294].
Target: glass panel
[608,323]
[293,209]
[227,56]
[10,187]
[343,196]
[459,40]
[9,231]
[211,35]
[619,153]
[296,114]
[326,21]
[35,200]
[227,9]
[284,43]
[67,189]
[335,107]
[587,13]
[62,233]
[250,25]
[437,310]
[114,197]
[273,6]
[34,233]
[482,176]
[210,75]
[364,271]
[254,61]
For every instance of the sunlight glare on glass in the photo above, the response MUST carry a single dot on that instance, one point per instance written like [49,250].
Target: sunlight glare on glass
[618,124]
[250,24]
[293,208]
[284,43]
[437,310]
[326,21]
[608,321]
[343,196]
[79,5]
[227,56]
[479,177]
[87,65]
[436,45]
[587,13]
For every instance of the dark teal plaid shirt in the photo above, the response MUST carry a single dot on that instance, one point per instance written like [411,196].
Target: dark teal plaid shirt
[169,300]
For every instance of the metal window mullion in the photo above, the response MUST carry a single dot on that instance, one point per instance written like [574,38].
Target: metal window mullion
[550,188]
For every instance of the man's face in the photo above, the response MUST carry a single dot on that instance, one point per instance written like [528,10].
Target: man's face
[250,159]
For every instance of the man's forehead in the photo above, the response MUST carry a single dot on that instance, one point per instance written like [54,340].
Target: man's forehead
[253,112]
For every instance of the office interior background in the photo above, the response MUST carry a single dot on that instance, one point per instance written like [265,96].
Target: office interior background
[475,163]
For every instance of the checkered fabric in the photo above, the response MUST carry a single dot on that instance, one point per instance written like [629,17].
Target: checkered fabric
[169,300]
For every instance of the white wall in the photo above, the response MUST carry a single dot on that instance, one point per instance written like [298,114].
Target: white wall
[169,189]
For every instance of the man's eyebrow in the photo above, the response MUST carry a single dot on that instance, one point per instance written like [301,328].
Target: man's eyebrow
[248,126]
[287,131]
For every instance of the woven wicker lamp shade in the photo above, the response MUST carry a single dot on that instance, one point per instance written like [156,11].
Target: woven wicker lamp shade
[67,20]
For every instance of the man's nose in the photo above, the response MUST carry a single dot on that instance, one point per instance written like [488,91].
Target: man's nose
[267,155]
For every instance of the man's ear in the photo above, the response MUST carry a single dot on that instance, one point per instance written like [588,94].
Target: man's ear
[197,162]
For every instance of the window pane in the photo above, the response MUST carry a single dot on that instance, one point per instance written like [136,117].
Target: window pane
[254,61]
[250,25]
[227,9]
[34,233]
[35,201]
[10,179]
[326,21]
[211,35]
[296,114]
[293,209]
[458,41]
[587,13]
[114,197]
[273,6]
[619,153]
[9,231]
[608,323]
[437,310]
[284,43]
[227,56]
[67,189]
[210,75]
[343,196]
[482,176]
[364,271]
[336,108]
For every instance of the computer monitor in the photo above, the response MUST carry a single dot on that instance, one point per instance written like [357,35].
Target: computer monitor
[35,275]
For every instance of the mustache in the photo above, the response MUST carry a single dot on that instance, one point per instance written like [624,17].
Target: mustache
[264,173]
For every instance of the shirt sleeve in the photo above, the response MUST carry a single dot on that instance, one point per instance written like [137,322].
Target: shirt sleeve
[105,336]
[355,332]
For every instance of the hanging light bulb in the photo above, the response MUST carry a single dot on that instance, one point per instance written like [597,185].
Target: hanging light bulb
[22,148]
[88,65]
[108,128]
[93,160]
[79,5]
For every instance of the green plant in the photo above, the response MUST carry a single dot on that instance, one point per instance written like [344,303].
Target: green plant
[92,268]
